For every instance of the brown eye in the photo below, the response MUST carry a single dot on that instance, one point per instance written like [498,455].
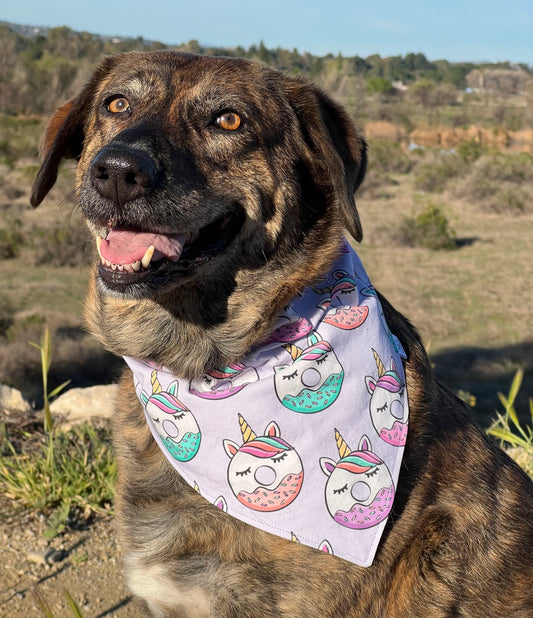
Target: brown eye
[229,121]
[118,105]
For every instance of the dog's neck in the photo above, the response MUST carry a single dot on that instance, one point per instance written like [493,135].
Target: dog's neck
[195,328]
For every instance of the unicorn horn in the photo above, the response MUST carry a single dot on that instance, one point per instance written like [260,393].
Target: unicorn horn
[246,430]
[156,387]
[379,364]
[293,350]
[342,447]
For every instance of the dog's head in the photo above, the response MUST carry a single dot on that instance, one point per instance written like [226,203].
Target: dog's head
[215,189]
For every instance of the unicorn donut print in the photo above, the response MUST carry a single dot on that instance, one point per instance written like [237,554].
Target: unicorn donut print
[173,421]
[313,381]
[359,491]
[387,408]
[346,317]
[222,383]
[265,473]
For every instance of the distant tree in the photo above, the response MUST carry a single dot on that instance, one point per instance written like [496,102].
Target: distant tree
[379,86]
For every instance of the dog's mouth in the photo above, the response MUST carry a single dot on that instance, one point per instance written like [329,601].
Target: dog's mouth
[135,261]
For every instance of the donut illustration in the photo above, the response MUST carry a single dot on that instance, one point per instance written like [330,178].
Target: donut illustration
[313,381]
[359,491]
[265,473]
[222,383]
[345,317]
[173,421]
[290,326]
[387,410]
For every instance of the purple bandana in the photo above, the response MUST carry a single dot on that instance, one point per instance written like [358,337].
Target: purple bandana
[304,436]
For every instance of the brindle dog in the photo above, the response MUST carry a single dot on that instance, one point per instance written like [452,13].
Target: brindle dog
[254,173]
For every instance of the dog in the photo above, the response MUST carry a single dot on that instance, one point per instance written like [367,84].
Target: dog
[241,180]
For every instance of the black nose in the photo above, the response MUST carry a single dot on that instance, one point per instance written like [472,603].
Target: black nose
[123,174]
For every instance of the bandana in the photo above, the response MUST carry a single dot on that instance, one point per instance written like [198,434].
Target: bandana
[304,436]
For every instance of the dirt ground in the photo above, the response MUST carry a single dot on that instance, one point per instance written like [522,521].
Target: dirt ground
[85,562]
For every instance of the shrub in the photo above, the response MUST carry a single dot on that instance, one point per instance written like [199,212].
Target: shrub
[388,157]
[11,240]
[433,175]
[470,150]
[501,183]
[429,229]
[61,246]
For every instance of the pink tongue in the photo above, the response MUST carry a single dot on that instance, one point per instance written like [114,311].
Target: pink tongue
[127,246]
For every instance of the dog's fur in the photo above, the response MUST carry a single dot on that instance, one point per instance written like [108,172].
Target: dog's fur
[459,539]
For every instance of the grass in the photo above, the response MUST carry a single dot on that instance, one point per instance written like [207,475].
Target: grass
[69,473]
[509,430]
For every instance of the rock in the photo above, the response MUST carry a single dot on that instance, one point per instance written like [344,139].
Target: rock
[80,404]
[11,399]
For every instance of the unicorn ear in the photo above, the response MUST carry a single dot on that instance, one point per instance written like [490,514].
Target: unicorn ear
[370,384]
[393,365]
[313,338]
[221,504]
[364,444]
[325,547]
[230,447]
[173,388]
[327,465]
[273,431]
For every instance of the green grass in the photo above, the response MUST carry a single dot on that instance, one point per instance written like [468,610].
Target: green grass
[70,473]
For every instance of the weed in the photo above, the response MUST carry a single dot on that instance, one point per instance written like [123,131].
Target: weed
[11,240]
[45,349]
[72,473]
[388,157]
[508,429]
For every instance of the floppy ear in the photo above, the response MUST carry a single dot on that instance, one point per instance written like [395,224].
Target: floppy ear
[338,151]
[64,135]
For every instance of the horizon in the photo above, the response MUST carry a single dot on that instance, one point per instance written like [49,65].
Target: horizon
[473,31]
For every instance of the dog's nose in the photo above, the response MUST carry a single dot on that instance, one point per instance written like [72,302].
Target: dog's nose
[122,175]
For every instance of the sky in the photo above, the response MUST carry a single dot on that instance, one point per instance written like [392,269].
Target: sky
[454,30]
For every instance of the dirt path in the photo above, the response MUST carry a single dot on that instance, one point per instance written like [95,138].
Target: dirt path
[84,562]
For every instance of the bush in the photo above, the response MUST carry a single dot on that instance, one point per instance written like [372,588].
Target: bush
[11,240]
[388,157]
[470,150]
[501,183]
[433,175]
[429,229]
[61,246]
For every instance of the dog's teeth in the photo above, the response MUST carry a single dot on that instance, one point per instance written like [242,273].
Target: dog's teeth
[98,243]
[120,267]
[136,266]
[114,266]
[147,257]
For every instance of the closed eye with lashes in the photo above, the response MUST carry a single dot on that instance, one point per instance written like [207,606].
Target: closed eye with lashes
[291,376]
[341,490]
[372,472]
[243,472]
[280,458]
[383,407]
[322,359]
[179,416]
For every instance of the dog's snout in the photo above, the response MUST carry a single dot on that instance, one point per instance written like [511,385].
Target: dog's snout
[122,175]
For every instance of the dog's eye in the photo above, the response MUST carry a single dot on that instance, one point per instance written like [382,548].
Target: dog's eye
[118,105]
[230,121]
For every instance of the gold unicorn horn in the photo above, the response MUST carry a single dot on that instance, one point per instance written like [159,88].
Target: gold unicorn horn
[342,447]
[156,387]
[293,350]
[379,364]
[246,430]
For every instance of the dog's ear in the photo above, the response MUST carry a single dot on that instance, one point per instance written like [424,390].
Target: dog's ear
[63,137]
[337,151]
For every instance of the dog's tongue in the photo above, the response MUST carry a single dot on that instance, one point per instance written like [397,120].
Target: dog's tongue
[128,246]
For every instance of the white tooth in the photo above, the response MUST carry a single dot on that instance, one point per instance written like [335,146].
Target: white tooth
[98,243]
[147,257]
[107,263]
[136,266]
[114,266]
[120,267]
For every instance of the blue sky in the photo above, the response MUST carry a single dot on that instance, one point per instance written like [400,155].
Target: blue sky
[456,30]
